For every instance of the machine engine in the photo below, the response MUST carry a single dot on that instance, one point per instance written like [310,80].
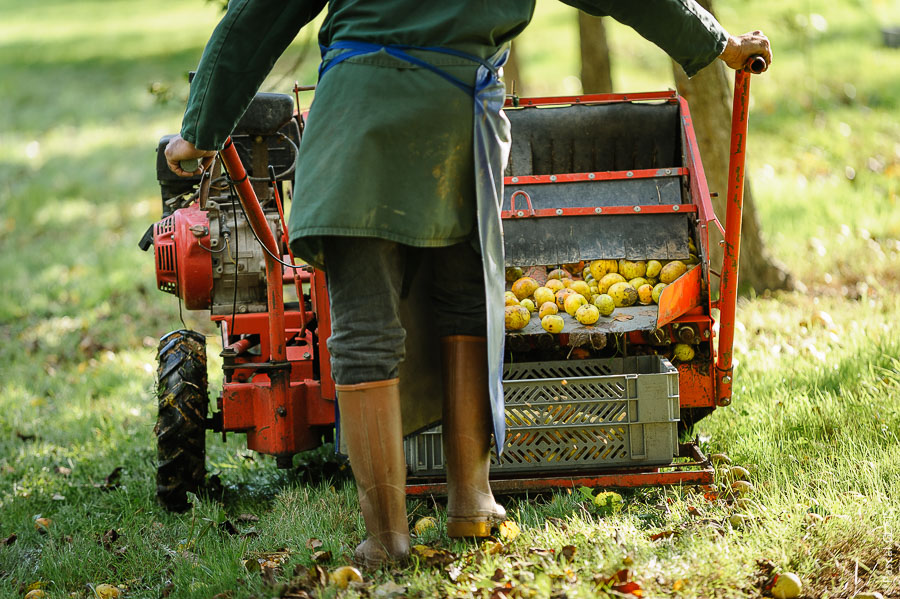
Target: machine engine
[205,250]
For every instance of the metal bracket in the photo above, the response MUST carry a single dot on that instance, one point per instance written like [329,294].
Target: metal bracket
[724,380]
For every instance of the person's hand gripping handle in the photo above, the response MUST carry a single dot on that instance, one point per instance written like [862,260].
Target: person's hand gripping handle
[751,51]
[184,159]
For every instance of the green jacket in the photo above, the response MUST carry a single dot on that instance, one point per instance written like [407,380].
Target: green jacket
[387,151]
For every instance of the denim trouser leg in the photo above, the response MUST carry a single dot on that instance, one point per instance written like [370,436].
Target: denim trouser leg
[365,280]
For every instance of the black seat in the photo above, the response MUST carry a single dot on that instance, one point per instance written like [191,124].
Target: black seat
[266,114]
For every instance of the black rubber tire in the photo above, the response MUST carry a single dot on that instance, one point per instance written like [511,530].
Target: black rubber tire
[181,392]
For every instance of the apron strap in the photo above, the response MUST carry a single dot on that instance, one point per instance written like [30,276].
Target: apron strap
[355,48]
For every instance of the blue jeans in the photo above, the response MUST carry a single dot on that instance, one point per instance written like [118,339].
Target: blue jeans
[366,280]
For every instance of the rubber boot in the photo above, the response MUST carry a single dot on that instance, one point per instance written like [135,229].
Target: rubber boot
[471,509]
[371,429]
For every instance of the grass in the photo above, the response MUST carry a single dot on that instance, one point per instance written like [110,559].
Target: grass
[815,419]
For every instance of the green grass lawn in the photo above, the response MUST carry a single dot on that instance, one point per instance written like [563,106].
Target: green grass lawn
[87,89]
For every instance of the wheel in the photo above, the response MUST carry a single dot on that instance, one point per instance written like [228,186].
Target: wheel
[181,422]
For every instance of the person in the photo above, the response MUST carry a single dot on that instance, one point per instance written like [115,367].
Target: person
[401,166]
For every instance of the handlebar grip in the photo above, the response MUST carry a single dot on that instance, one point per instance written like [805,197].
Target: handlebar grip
[757,64]
[189,166]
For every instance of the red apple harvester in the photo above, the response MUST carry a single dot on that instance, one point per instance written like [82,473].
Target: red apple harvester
[590,177]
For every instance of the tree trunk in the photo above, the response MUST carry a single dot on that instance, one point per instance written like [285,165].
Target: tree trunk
[709,95]
[511,73]
[596,75]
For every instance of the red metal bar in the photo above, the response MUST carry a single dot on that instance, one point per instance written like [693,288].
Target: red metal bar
[701,473]
[647,173]
[239,346]
[734,209]
[699,188]
[294,271]
[590,99]
[550,212]
[279,400]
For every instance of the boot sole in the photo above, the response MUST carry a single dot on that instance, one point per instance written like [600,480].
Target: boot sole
[468,528]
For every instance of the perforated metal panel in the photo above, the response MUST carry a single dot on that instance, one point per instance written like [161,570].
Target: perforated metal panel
[576,415]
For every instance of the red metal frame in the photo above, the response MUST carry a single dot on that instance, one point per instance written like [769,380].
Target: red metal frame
[274,397]
[733,212]
[277,397]
[515,102]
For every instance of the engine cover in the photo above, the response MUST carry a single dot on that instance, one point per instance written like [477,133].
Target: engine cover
[183,267]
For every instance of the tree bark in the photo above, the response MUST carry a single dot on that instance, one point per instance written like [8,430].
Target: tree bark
[596,74]
[709,95]
[511,74]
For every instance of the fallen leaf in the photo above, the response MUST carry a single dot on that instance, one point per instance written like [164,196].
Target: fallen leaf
[228,526]
[433,557]
[321,557]
[619,577]
[621,582]
[111,482]
[502,592]
[65,471]
[247,518]
[108,538]
[58,497]
[499,575]
[454,571]
[42,524]
[678,585]
[662,535]
[623,317]
[269,572]
[629,588]
[509,530]
[559,522]
[389,589]
[313,544]
[492,547]
[568,552]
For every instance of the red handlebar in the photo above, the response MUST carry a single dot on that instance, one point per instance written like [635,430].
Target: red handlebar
[757,64]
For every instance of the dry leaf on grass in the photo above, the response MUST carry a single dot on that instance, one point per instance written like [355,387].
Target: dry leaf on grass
[621,582]
[313,544]
[431,556]
[509,530]
[389,589]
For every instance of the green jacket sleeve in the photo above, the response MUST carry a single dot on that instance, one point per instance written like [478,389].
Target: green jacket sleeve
[682,28]
[241,52]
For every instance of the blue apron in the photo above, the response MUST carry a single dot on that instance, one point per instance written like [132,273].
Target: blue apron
[491,149]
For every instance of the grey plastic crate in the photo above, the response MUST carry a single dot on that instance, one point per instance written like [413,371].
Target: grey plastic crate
[576,415]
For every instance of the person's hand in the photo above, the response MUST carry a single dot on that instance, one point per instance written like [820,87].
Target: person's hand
[741,48]
[179,149]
